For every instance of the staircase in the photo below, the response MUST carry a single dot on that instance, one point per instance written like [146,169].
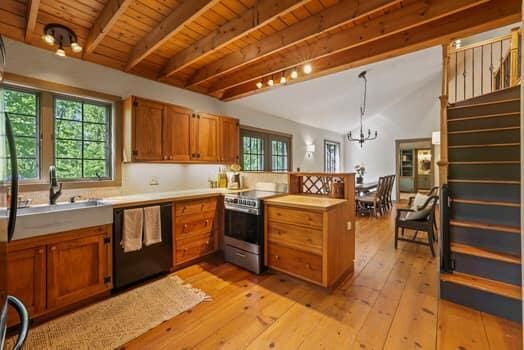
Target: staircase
[484,217]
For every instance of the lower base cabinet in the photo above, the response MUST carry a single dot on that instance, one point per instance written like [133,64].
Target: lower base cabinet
[51,272]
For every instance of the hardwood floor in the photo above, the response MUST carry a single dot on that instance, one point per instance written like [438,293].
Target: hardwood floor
[390,302]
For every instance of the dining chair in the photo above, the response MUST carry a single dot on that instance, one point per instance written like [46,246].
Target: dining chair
[374,201]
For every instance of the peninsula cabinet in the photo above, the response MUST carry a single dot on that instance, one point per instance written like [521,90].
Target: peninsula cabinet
[52,272]
[161,132]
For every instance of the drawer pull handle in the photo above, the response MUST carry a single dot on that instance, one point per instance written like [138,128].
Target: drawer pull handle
[277,257]
[185,227]
[207,222]
[40,251]
[240,255]
[184,209]
[308,266]
[53,248]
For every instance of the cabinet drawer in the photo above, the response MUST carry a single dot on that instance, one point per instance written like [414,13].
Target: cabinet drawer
[295,261]
[294,216]
[307,238]
[194,228]
[193,248]
[195,206]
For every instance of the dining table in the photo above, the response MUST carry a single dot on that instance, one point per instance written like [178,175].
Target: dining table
[365,187]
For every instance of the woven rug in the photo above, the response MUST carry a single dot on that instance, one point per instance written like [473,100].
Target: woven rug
[115,321]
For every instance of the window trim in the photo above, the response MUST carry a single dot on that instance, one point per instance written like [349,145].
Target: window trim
[38,95]
[46,122]
[267,136]
[109,159]
[337,144]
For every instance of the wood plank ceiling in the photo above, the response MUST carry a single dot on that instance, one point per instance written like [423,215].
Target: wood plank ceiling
[224,47]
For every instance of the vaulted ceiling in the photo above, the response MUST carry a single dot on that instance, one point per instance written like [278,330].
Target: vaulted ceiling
[222,48]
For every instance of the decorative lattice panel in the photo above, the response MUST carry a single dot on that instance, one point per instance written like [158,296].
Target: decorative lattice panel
[319,184]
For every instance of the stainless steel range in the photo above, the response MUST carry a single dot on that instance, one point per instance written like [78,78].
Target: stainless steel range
[244,229]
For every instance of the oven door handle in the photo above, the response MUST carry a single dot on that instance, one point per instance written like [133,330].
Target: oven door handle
[243,210]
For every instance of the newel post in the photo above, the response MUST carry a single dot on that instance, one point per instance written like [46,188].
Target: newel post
[443,162]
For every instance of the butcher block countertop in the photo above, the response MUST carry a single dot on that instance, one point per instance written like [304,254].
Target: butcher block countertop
[306,201]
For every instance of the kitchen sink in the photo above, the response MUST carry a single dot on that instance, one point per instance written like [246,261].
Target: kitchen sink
[46,219]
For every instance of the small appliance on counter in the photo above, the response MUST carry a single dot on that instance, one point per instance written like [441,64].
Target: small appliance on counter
[244,225]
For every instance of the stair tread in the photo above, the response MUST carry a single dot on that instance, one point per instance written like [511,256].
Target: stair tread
[485,116]
[483,253]
[487,145]
[501,182]
[473,224]
[483,130]
[484,103]
[484,202]
[484,284]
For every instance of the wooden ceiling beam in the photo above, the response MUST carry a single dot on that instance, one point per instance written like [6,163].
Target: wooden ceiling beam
[184,12]
[254,18]
[110,14]
[345,12]
[414,14]
[31,15]
[494,14]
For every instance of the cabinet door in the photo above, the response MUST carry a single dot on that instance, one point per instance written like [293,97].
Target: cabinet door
[229,139]
[205,137]
[77,269]
[177,125]
[147,130]
[26,274]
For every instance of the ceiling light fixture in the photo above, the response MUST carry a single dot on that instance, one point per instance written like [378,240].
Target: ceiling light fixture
[457,44]
[283,79]
[294,74]
[62,36]
[270,82]
[362,138]
[259,85]
[308,68]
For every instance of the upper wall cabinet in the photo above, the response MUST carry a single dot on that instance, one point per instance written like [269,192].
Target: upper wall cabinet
[228,139]
[160,132]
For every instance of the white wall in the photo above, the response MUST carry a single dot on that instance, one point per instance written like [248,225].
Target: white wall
[414,114]
[41,64]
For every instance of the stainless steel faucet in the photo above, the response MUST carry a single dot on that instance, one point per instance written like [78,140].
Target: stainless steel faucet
[55,189]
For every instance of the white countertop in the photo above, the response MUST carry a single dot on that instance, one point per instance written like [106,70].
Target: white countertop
[132,199]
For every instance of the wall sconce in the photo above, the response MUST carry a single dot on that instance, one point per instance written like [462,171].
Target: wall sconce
[310,149]
[435,137]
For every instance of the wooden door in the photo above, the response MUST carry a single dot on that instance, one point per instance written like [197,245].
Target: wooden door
[205,137]
[147,130]
[26,276]
[77,269]
[229,140]
[176,132]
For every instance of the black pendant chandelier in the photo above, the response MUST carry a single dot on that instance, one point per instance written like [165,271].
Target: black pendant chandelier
[362,138]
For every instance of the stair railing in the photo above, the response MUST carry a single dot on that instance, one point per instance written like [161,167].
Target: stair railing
[446,264]
[484,67]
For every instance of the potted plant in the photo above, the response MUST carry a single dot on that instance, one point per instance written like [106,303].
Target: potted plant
[360,170]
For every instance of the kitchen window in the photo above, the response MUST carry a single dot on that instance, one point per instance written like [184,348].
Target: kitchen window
[82,139]
[264,151]
[331,156]
[22,107]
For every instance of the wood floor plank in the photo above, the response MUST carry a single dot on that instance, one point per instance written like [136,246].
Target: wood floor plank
[460,328]
[415,322]
[502,334]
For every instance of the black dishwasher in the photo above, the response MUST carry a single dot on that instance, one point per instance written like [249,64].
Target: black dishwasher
[150,261]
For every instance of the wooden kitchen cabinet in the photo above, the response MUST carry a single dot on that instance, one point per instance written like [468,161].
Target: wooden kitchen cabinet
[77,269]
[229,140]
[147,123]
[26,276]
[176,134]
[55,271]
[204,137]
[195,227]
[161,132]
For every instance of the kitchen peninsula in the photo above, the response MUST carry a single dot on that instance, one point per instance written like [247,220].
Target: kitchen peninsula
[310,233]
